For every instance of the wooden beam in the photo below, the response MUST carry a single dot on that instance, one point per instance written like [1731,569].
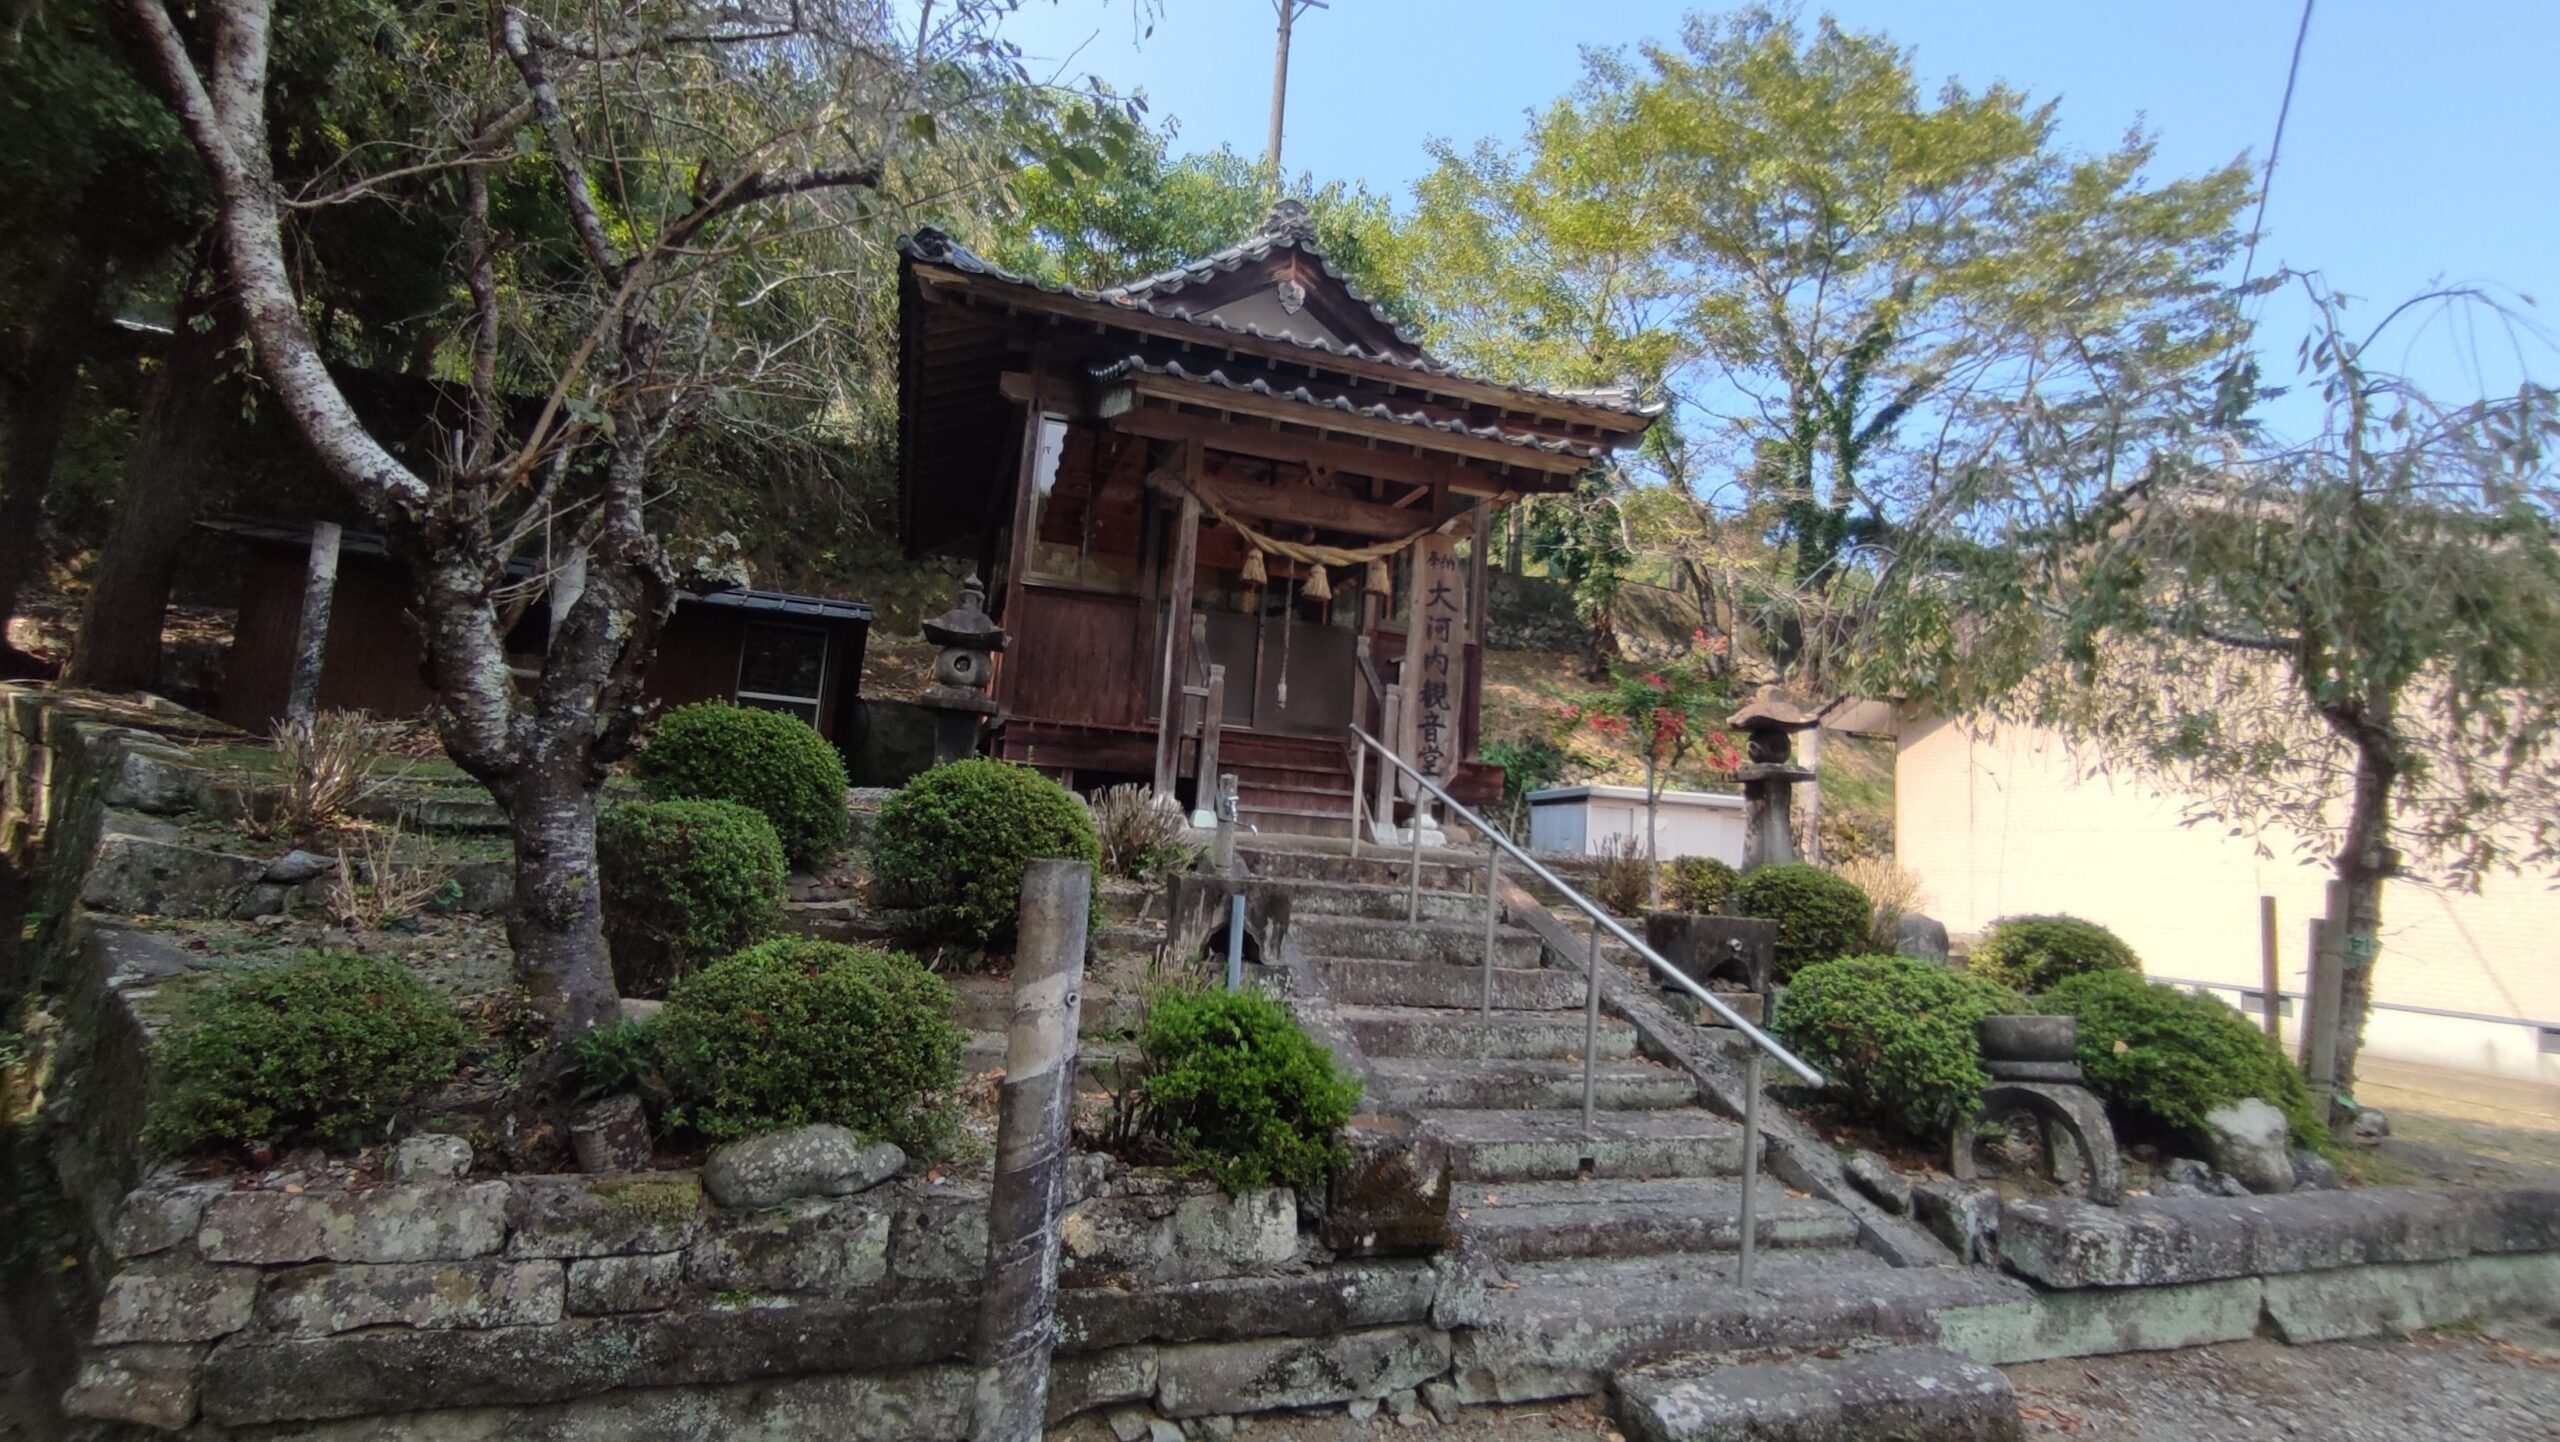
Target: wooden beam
[1177,630]
[1287,412]
[1311,508]
[1605,422]
[1391,462]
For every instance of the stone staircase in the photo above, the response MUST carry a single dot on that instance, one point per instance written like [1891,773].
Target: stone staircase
[1612,1252]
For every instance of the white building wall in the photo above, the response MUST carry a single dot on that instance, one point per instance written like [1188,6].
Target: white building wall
[2008,822]
[1582,820]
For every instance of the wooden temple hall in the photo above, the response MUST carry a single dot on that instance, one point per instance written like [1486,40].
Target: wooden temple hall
[1231,509]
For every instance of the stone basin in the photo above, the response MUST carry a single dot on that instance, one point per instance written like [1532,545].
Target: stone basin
[2028,1038]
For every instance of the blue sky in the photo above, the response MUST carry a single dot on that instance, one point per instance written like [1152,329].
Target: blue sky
[2424,142]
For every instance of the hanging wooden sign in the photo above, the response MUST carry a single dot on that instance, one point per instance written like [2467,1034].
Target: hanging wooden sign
[1435,668]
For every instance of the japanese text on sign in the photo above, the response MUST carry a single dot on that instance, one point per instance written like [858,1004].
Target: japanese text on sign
[1436,658]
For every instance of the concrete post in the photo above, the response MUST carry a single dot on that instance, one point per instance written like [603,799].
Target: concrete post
[1018,1305]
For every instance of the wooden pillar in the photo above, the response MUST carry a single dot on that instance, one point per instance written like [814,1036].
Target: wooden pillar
[1479,594]
[1018,1304]
[2270,976]
[1177,628]
[311,639]
[1212,715]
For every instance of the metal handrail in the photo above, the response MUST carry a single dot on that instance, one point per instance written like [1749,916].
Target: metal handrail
[1758,1038]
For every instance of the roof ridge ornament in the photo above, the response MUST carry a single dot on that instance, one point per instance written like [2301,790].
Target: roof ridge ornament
[1290,222]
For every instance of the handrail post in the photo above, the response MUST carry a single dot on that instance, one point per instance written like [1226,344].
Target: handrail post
[1413,885]
[1492,909]
[1750,1164]
[1590,1035]
[1359,776]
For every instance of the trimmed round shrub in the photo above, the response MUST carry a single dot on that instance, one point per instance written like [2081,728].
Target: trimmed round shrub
[948,849]
[684,882]
[2166,1058]
[1893,1036]
[792,1031]
[2031,953]
[767,760]
[1821,916]
[1700,884]
[321,1047]
[1234,1088]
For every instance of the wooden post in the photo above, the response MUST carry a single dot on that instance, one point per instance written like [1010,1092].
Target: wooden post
[1018,1305]
[1212,709]
[2327,988]
[311,641]
[2270,978]
[1177,629]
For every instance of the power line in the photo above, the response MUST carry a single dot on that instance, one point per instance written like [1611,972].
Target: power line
[2293,72]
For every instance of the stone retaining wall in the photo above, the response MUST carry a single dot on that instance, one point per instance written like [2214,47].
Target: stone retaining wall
[466,1307]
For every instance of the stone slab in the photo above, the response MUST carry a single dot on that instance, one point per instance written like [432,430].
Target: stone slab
[424,1222]
[1894,1392]
[810,1245]
[2099,1322]
[179,1301]
[149,1385]
[1227,1377]
[603,1216]
[2168,1241]
[316,1301]
[924,1404]
[2411,1297]
[1100,1379]
[1336,1299]
[604,1285]
[940,1235]
[154,1219]
[255,1380]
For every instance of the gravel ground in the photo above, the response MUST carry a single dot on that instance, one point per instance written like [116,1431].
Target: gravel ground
[2450,1387]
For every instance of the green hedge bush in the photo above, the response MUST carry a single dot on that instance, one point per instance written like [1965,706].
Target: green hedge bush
[767,760]
[1699,883]
[1893,1036]
[321,1047]
[685,882]
[1821,916]
[791,1031]
[948,849]
[2030,953]
[2167,1058]
[1234,1087]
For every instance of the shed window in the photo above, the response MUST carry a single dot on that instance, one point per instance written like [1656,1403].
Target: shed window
[781,668]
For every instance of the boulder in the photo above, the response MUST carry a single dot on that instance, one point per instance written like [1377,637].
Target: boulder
[611,1135]
[138,875]
[1921,936]
[296,867]
[156,1218]
[811,1161]
[2313,1172]
[2252,1140]
[2369,1127]
[431,1157]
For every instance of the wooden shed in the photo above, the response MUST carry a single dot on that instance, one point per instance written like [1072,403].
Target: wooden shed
[1239,475]
[774,649]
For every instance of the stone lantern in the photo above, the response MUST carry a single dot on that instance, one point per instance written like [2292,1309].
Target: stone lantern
[962,673]
[1769,776]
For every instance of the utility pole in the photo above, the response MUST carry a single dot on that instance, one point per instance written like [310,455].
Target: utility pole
[1280,76]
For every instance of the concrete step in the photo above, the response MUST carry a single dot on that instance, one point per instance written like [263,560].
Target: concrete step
[1441,871]
[1533,1221]
[1507,1146]
[1431,983]
[1562,1328]
[1421,1031]
[1417,1085]
[1382,903]
[1891,1394]
[1400,940]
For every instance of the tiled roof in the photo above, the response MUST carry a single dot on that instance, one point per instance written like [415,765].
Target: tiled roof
[1337,401]
[932,246]
[1288,227]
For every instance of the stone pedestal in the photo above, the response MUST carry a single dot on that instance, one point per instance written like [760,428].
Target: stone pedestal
[2035,1075]
[1769,776]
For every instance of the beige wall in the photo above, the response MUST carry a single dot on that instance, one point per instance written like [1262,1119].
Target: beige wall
[2009,821]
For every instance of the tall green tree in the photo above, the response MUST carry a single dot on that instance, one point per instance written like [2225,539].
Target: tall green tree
[2355,637]
[1858,297]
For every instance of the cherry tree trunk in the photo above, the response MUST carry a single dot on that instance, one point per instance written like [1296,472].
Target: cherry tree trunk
[555,924]
[2365,860]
